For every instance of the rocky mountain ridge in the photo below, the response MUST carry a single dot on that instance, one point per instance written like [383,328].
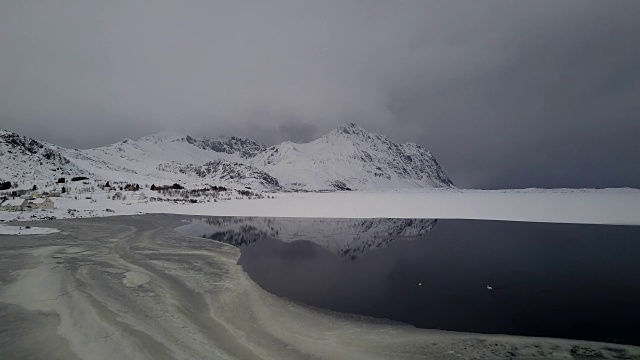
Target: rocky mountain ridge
[347,158]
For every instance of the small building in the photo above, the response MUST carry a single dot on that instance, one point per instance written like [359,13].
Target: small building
[14,205]
[54,194]
[42,204]
[138,196]
[132,187]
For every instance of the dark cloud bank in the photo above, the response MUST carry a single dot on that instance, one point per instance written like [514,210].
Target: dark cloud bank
[504,93]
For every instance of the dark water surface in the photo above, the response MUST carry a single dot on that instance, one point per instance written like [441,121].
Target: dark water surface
[518,278]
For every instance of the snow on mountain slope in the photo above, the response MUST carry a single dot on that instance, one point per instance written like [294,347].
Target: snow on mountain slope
[350,157]
[142,160]
[26,159]
[226,172]
[245,148]
[346,158]
[351,238]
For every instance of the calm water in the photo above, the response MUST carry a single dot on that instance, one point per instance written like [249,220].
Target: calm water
[556,280]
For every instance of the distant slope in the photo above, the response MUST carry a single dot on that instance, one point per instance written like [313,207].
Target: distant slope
[347,158]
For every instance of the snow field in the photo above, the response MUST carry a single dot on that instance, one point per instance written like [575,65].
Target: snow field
[586,206]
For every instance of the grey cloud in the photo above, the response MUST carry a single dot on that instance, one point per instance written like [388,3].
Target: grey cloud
[504,93]
[298,132]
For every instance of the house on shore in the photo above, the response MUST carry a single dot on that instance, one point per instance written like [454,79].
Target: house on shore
[41,204]
[14,205]
[138,196]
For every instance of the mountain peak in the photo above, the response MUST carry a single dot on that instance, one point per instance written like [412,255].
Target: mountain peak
[162,136]
[351,128]
[245,147]
[349,132]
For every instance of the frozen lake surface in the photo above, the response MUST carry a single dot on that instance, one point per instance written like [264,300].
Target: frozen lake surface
[497,277]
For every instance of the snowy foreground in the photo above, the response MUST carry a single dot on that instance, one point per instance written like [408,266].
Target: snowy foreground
[593,206]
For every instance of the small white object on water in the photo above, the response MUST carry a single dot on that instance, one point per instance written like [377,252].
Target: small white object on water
[419,284]
[489,287]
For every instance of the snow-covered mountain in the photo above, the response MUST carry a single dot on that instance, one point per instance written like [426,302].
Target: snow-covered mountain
[347,158]
[225,172]
[246,148]
[351,238]
[350,157]
[26,159]
[170,157]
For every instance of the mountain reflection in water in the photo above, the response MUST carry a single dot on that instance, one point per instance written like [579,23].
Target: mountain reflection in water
[346,237]
[534,279]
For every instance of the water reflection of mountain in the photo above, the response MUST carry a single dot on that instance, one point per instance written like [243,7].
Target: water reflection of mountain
[346,237]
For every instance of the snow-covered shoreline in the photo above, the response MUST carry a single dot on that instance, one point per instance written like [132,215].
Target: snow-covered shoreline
[587,206]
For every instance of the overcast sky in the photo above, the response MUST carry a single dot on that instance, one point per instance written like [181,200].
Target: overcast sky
[503,93]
